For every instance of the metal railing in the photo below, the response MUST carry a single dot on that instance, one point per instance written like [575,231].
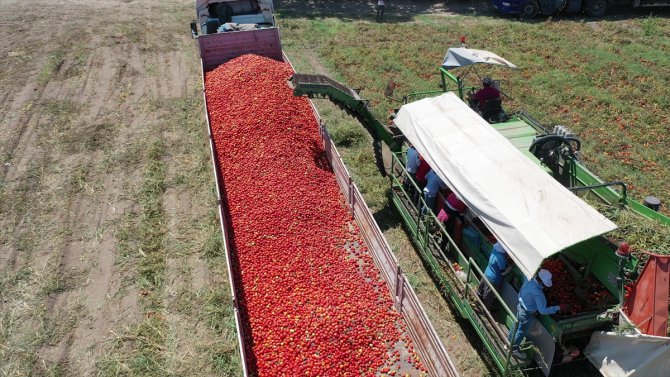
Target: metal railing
[224,231]
[431,350]
[427,343]
[426,230]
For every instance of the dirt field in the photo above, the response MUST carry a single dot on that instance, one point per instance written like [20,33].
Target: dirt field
[110,251]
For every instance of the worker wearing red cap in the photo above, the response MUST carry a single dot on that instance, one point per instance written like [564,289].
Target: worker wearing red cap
[531,302]
[487,92]
[454,208]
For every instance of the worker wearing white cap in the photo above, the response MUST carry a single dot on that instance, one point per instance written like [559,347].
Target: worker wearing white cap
[497,268]
[531,302]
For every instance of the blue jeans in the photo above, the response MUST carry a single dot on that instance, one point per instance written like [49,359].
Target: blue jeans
[430,203]
[526,319]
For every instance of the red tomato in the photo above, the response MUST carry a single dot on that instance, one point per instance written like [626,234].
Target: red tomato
[310,301]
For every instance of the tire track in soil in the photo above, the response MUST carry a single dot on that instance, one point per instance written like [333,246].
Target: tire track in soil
[90,252]
[90,249]
[120,78]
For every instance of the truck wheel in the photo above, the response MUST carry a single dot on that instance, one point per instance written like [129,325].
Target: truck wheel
[551,7]
[596,8]
[528,9]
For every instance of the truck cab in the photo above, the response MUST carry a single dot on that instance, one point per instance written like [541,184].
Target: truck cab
[219,16]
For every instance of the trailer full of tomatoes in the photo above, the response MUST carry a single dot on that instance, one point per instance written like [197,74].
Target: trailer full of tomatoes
[589,296]
[312,301]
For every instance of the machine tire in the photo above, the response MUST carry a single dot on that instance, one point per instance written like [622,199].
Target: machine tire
[548,7]
[573,6]
[596,8]
[528,9]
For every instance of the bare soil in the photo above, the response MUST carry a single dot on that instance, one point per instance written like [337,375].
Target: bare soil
[87,88]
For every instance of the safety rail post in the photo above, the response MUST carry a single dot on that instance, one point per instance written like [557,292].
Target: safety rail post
[508,311]
[401,294]
[350,187]
[405,300]
[471,269]
[398,278]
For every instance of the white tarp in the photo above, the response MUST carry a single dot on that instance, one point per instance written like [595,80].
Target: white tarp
[461,57]
[617,355]
[527,210]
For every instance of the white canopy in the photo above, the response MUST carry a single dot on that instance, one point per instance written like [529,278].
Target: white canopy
[461,57]
[527,210]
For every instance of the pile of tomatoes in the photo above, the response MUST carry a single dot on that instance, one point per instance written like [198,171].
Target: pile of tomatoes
[565,291]
[312,298]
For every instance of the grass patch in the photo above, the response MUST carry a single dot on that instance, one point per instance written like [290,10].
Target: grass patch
[67,61]
[220,318]
[214,246]
[643,233]
[51,67]
[152,262]
[347,135]
[139,351]
[605,83]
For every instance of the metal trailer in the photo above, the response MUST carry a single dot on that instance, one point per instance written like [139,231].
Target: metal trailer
[216,49]
[456,261]
[528,9]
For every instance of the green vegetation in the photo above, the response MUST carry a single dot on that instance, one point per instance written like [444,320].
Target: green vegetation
[53,64]
[642,233]
[606,81]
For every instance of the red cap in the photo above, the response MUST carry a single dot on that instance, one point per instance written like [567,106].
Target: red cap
[623,249]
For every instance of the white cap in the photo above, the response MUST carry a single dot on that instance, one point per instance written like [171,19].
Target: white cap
[499,248]
[545,276]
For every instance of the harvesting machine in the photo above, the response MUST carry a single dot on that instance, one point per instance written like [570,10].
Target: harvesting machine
[226,29]
[525,187]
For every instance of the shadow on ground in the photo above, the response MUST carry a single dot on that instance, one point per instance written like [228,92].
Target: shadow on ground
[405,10]
[395,11]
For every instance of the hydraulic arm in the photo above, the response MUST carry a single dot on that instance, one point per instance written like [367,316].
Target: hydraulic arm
[320,86]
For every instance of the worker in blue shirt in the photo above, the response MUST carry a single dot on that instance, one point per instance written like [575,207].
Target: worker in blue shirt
[531,302]
[433,186]
[411,165]
[412,161]
[497,268]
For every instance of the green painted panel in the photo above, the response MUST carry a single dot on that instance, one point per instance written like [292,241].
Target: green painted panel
[516,131]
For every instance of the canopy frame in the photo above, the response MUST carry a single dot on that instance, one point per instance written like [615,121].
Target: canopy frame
[528,211]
